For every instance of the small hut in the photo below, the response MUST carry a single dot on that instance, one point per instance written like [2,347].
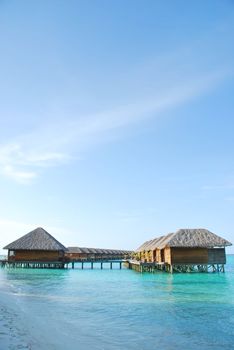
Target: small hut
[37,247]
[185,250]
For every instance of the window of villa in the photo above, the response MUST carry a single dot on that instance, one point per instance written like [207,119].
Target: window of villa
[11,253]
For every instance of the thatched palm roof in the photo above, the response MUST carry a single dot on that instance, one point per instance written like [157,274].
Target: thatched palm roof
[38,239]
[197,238]
[192,238]
[74,250]
[144,246]
[84,250]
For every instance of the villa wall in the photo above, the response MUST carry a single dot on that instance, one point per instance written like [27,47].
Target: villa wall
[158,255]
[189,255]
[36,255]
[185,255]
[216,256]
[167,255]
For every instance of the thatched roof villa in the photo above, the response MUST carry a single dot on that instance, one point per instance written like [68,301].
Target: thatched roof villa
[39,249]
[36,246]
[185,248]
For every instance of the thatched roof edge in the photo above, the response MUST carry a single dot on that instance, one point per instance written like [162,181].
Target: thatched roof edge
[192,238]
[38,239]
[85,250]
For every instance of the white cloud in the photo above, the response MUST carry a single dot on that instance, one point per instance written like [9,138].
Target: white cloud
[65,137]
[19,176]
[22,166]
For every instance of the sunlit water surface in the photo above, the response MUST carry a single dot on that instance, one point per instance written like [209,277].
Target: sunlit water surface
[116,309]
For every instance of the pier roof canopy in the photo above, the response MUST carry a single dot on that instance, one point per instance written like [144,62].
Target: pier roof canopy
[81,250]
[190,238]
[38,239]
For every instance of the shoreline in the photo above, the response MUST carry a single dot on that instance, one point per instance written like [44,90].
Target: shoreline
[13,334]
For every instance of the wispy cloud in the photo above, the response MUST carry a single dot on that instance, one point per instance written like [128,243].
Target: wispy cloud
[56,143]
[22,165]
[149,89]
[23,177]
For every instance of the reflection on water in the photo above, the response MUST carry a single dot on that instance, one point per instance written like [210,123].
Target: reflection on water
[114,309]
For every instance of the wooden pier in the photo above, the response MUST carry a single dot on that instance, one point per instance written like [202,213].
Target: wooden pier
[84,264]
[32,264]
[98,263]
[140,266]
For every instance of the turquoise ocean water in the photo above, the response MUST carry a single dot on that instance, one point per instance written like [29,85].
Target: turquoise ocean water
[116,309]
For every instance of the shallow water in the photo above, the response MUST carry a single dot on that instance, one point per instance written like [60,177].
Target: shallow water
[116,309]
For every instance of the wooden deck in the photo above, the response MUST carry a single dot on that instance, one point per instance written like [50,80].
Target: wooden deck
[83,264]
[95,263]
[141,266]
[32,264]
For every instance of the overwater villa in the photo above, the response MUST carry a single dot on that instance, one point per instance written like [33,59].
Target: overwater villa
[39,249]
[185,250]
[36,249]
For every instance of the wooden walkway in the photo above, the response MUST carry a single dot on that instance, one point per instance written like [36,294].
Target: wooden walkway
[141,266]
[138,266]
[32,264]
[83,264]
[95,263]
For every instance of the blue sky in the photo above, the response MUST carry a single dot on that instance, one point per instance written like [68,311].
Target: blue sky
[116,119]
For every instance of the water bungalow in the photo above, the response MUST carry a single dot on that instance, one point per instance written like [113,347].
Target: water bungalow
[36,249]
[39,249]
[185,250]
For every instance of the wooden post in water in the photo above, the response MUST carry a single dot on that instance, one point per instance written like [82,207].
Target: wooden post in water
[91,265]
[120,265]
[101,265]
[111,265]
